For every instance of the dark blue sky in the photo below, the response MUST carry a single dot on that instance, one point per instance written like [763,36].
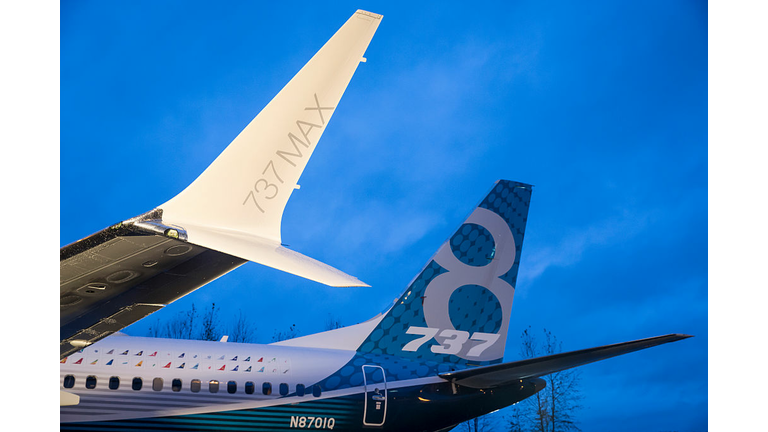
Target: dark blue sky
[603,107]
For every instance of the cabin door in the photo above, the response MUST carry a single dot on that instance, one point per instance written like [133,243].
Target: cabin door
[375,383]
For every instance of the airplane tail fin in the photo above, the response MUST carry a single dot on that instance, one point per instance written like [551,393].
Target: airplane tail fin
[457,309]
[236,205]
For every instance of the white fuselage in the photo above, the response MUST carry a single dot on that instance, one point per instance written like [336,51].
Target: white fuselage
[178,377]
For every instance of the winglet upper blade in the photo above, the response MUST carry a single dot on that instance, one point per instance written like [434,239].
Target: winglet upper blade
[245,190]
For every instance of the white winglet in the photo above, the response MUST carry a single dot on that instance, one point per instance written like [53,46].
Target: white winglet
[236,205]
[271,254]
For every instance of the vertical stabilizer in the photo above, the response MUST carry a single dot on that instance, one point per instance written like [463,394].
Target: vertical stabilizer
[458,308]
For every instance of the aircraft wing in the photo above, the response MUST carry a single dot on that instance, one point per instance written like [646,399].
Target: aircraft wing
[229,215]
[507,373]
[123,273]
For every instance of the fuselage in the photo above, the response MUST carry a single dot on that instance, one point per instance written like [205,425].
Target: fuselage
[125,383]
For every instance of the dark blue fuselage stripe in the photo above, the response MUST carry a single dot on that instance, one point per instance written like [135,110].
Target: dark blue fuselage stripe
[343,410]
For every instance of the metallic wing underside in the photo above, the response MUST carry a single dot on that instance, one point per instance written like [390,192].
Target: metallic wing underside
[125,272]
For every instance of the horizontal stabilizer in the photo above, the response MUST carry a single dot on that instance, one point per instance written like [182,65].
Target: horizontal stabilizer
[271,254]
[506,373]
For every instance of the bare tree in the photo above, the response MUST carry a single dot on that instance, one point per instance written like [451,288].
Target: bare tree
[478,424]
[285,335]
[552,409]
[242,330]
[210,330]
[182,326]
[332,323]
[516,420]
[154,329]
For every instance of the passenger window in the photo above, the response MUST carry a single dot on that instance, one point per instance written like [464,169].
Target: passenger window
[195,385]
[316,391]
[283,389]
[231,387]
[69,381]
[157,384]
[136,384]
[213,386]
[176,385]
[90,382]
[249,387]
[114,383]
[299,389]
[266,388]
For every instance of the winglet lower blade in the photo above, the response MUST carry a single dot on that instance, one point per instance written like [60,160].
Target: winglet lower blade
[271,254]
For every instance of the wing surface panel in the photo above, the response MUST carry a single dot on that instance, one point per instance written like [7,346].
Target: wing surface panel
[124,273]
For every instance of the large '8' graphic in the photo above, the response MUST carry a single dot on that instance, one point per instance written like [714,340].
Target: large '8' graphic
[477,346]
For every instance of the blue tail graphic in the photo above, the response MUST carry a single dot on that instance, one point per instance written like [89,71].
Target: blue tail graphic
[457,309]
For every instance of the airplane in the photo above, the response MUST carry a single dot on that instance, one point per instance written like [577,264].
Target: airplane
[432,360]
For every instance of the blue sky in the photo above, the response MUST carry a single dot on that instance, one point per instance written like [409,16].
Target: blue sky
[603,107]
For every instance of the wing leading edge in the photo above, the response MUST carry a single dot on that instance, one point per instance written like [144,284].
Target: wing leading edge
[506,373]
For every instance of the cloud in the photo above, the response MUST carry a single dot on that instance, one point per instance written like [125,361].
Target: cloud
[383,227]
[571,248]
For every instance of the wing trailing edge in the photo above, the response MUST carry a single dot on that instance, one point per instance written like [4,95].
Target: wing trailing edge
[506,373]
